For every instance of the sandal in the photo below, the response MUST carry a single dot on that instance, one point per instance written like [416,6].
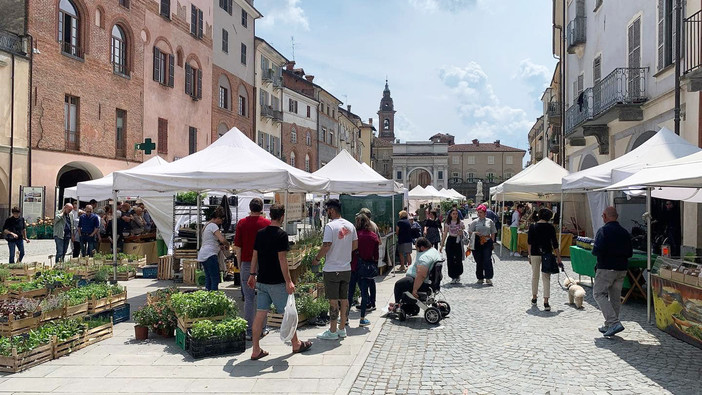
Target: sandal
[304,346]
[260,355]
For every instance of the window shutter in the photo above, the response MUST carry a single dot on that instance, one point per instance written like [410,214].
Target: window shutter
[199,23]
[199,84]
[661,34]
[171,71]
[230,6]
[193,20]
[596,70]
[157,65]
[673,34]
[188,79]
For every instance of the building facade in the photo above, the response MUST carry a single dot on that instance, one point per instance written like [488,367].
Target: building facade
[269,85]
[366,136]
[328,126]
[420,163]
[233,69]
[349,132]
[299,130]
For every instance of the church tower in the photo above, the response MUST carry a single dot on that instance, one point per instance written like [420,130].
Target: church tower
[386,116]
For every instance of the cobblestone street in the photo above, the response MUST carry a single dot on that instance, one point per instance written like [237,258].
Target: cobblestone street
[495,341]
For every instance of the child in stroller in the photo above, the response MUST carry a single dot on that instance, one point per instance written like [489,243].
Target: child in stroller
[417,291]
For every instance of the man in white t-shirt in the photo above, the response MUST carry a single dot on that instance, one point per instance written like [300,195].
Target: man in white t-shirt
[339,242]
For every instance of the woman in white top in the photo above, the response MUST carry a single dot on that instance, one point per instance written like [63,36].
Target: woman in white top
[211,240]
[514,230]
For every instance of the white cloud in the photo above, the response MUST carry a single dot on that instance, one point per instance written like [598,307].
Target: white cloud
[442,5]
[479,107]
[537,77]
[283,12]
[405,128]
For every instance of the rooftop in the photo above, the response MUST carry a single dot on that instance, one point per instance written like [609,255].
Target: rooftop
[477,146]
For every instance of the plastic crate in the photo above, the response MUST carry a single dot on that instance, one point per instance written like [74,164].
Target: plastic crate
[214,346]
[180,339]
[150,271]
[121,313]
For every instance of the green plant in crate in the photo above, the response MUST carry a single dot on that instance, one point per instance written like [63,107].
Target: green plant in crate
[4,274]
[126,269]
[103,274]
[53,302]
[311,307]
[55,278]
[228,329]
[25,286]
[75,296]
[200,304]
[97,321]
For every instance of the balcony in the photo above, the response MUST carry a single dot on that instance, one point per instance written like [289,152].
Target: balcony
[692,73]
[576,33]
[267,76]
[553,110]
[277,82]
[270,113]
[71,49]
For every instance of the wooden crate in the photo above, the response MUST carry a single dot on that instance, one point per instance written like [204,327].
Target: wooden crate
[98,305]
[76,311]
[85,272]
[165,267]
[125,276]
[29,269]
[119,299]
[52,315]
[65,347]
[275,319]
[189,268]
[36,293]
[185,323]
[97,334]
[19,362]
[13,327]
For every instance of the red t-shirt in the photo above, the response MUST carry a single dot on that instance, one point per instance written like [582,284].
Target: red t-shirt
[245,235]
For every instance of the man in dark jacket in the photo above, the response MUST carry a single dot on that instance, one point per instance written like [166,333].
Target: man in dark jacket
[613,250]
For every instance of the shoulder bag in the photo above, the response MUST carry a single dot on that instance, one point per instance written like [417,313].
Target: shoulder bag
[548,263]
[366,269]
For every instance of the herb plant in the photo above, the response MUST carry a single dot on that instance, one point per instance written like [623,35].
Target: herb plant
[228,329]
[201,304]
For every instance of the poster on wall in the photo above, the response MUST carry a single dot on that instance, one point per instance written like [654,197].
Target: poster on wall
[32,203]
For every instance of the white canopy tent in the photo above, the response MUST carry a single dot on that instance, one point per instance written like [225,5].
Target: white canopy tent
[347,175]
[419,193]
[685,172]
[449,194]
[457,194]
[430,190]
[538,182]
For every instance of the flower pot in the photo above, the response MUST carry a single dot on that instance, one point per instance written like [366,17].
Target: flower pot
[141,332]
[167,332]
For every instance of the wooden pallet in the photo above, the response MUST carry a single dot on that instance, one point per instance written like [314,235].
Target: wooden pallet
[65,347]
[165,267]
[98,305]
[29,269]
[19,362]
[275,320]
[185,323]
[13,326]
[119,299]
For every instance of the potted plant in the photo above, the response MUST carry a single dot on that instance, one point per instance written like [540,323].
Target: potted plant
[164,319]
[143,318]
[210,339]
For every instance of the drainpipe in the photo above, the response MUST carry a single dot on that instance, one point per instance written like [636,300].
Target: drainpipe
[678,38]
[12,125]
[563,58]
[29,124]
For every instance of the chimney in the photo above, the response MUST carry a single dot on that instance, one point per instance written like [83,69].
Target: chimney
[476,142]
[308,77]
[370,121]
[348,107]
[290,65]
[497,143]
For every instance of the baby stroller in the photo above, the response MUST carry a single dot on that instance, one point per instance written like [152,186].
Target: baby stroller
[434,309]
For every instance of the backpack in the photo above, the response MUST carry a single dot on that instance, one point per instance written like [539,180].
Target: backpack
[436,275]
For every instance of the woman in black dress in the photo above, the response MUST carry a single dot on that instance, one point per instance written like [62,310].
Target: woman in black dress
[432,229]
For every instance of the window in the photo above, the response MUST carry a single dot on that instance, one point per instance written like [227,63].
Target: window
[242,106]
[162,136]
[223,97]
[225,41]
[71,124]
[666,33]
[226,5]
[309,111]
[292,159]
[491,160]
[399,175]
[124,3]
[308,139]
[490,177]
[192,140]
[121,133]
[243,53]
[509,160]
[440,175]
[163,68]
[119,51]
[470,160]
[470,177]
[456,160]
[331,138]
[263,98]
[293,136]
[323,137]
[69,29]
[166,9]
[196,22]
[260,138]
[508,176]
[385,168]
[244,18]
[292,105]
[307,162]
[455,174]
[386,124]
[193,82]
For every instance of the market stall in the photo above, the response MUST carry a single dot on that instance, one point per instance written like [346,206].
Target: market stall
[566,241]
[583,263]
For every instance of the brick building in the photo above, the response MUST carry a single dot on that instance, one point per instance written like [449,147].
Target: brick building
[300,120]
[269,85]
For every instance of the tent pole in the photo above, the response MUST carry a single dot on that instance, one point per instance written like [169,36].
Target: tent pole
[391,257]
[114,237]
[199,220]
[648,253]
[502,222]
[560,224]
[285,204]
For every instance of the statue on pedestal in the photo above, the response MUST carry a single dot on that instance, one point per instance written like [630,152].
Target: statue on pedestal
[479,193]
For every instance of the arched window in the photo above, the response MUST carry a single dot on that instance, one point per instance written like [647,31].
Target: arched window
[243,102]
[69,29]
[292,159]
[309,139]
[307,162]
[222,129]
[386,124]
[119,50]
[293,136]
[224,93]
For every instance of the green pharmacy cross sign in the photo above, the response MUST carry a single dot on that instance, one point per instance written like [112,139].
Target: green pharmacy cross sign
[147,146]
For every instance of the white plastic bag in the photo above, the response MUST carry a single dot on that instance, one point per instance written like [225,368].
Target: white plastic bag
[289,324]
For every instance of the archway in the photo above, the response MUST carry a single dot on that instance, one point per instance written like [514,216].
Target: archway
[642,138]
[72,173]
[588,162]
[419,176]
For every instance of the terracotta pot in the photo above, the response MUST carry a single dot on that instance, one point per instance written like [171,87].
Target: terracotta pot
[141,332]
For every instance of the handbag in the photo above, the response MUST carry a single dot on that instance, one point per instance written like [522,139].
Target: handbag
[548,263]
[366,269]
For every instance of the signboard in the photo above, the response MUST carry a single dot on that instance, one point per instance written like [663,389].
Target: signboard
[678,308]
[295,210]
[32,203]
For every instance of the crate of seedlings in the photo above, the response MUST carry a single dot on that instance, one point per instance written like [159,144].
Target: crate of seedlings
[201,305]
[53,307]
[27,289]
[76,302]
[24,269]
[125,272]
[210,339]
[19,316]
[19,353]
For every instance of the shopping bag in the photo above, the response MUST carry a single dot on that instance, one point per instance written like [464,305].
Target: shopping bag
[289,324]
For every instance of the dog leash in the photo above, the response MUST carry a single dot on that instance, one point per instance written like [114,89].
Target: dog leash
[567,276]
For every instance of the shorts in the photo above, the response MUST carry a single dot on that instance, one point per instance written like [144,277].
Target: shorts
[268,294]
[404,248]
[336,285]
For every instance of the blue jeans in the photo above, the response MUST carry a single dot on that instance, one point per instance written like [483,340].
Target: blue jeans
[483,261]
[363,284]
[352,287]
[211,268]
[61,247]
[19,243]
[87,245]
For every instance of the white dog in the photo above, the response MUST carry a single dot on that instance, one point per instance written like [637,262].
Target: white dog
[576,293]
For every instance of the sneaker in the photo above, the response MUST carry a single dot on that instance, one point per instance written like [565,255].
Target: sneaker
[547,307]
[328,335]
[488,281]
[341,333]
[480,281]
[614,329]
[603,329]
[370,308]
[364,322]
[533,301]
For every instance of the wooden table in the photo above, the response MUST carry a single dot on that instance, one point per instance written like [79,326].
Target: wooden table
[522,245]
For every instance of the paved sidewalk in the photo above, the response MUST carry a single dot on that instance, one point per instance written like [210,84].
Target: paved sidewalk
[123,365]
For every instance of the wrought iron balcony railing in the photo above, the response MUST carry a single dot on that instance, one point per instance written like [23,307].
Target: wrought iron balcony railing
[270,112]
[554,109]
[576,32]
[267,75]
[71,49]
[580,111]
[693,42]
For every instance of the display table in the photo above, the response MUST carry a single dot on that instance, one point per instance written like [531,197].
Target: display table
[674,303]
[147,248]
[522,245]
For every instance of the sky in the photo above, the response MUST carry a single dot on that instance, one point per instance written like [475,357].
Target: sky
[471,68]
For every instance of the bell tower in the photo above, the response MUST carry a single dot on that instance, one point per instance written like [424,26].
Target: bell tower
[386,116]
